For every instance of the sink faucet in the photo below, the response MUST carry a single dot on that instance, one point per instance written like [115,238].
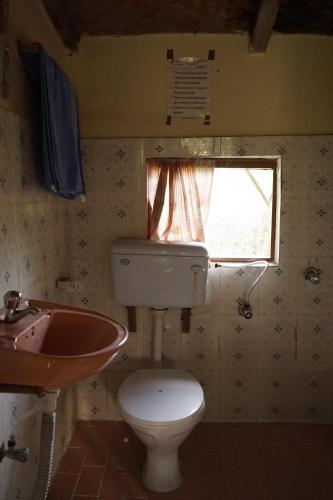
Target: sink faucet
[12,314]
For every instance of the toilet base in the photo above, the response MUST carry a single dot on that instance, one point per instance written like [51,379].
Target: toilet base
[161,471]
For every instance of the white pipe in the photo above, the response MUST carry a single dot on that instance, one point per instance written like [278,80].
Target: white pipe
[158,327]
[259,263]
[262,263]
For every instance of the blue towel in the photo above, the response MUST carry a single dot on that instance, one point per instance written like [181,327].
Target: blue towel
[62,166]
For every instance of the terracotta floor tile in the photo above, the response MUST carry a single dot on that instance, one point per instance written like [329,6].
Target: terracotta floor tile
[120,460]
[210,463]
[205,435]
[72,460]
[312,489]
[97,455]
[85,498]
[134,488]
[63,486]
[112,433]
[189,487]
[212,487]
[90,481]
[218,462]
[113,486]
[162,496]
[83,436]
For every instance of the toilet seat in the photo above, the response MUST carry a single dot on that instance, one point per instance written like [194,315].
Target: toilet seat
[160,397]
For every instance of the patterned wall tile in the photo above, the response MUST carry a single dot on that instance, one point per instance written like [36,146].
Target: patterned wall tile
[200,348]
[131,355]
[92,397]
[241,146]
[235,283]
[8,172]
[114,381]
[315,346]
[200,146]
[32,223]
[209,381]
[291,227]
[237,395]
[315,299]
[213,294]
[160,147]
[172,341]
[275,341]
[314,401]
[238,343]
[275,395]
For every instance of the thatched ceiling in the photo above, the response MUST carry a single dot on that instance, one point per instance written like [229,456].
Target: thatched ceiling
[74,18]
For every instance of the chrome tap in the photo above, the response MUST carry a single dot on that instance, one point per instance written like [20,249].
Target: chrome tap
[312,274]
[20,455]
[245,310]
[12,313]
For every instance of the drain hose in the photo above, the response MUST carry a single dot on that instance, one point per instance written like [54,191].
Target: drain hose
[47,440]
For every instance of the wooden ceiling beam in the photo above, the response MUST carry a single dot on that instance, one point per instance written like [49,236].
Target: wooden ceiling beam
[264,25]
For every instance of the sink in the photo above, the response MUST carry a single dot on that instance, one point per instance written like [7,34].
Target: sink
[57,346]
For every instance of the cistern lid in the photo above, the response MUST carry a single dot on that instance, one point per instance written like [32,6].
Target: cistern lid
[136,246]
[160,395]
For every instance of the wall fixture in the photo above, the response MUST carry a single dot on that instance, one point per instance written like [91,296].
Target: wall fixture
[20,455]
[312,274]
[245,308]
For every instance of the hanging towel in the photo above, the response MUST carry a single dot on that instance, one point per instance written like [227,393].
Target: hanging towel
[62,166]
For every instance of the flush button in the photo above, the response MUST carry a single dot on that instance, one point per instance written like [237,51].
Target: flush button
[124,262]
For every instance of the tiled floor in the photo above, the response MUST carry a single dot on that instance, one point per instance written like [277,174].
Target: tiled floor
[219,462]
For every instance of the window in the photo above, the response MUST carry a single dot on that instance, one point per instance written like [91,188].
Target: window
[230,203]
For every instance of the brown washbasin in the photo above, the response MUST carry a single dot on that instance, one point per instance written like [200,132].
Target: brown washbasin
[57,346]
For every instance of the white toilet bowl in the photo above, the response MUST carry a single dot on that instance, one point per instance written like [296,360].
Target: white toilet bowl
[162,407]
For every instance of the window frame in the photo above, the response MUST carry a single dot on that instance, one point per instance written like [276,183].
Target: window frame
[265,162]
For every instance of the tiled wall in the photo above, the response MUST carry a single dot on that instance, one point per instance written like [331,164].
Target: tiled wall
[277,366]
[34,251]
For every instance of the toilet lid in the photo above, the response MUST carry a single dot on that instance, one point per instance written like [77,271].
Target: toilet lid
[160,395]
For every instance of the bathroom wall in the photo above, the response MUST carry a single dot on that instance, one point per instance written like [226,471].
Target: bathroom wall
[277,366]
[34,235]
[34,251]
[122,85]
[28,23]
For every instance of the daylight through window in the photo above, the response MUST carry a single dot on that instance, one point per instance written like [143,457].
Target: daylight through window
[232,204]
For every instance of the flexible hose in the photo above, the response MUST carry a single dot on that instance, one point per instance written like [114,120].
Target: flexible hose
[260,263]
[47,440]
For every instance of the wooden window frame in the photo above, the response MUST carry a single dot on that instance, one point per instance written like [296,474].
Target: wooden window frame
[265,162]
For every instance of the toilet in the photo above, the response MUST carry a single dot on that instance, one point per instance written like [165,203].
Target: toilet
[161,405]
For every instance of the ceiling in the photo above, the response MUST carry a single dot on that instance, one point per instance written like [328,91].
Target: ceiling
[74,18]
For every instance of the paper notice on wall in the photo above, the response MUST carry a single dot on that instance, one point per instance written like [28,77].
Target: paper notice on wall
[188,88]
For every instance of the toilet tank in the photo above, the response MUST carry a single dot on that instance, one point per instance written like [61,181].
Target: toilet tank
[159,274]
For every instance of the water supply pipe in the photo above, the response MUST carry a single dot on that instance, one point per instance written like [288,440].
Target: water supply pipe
[244,307]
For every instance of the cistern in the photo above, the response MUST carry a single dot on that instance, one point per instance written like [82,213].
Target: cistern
[161,405]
